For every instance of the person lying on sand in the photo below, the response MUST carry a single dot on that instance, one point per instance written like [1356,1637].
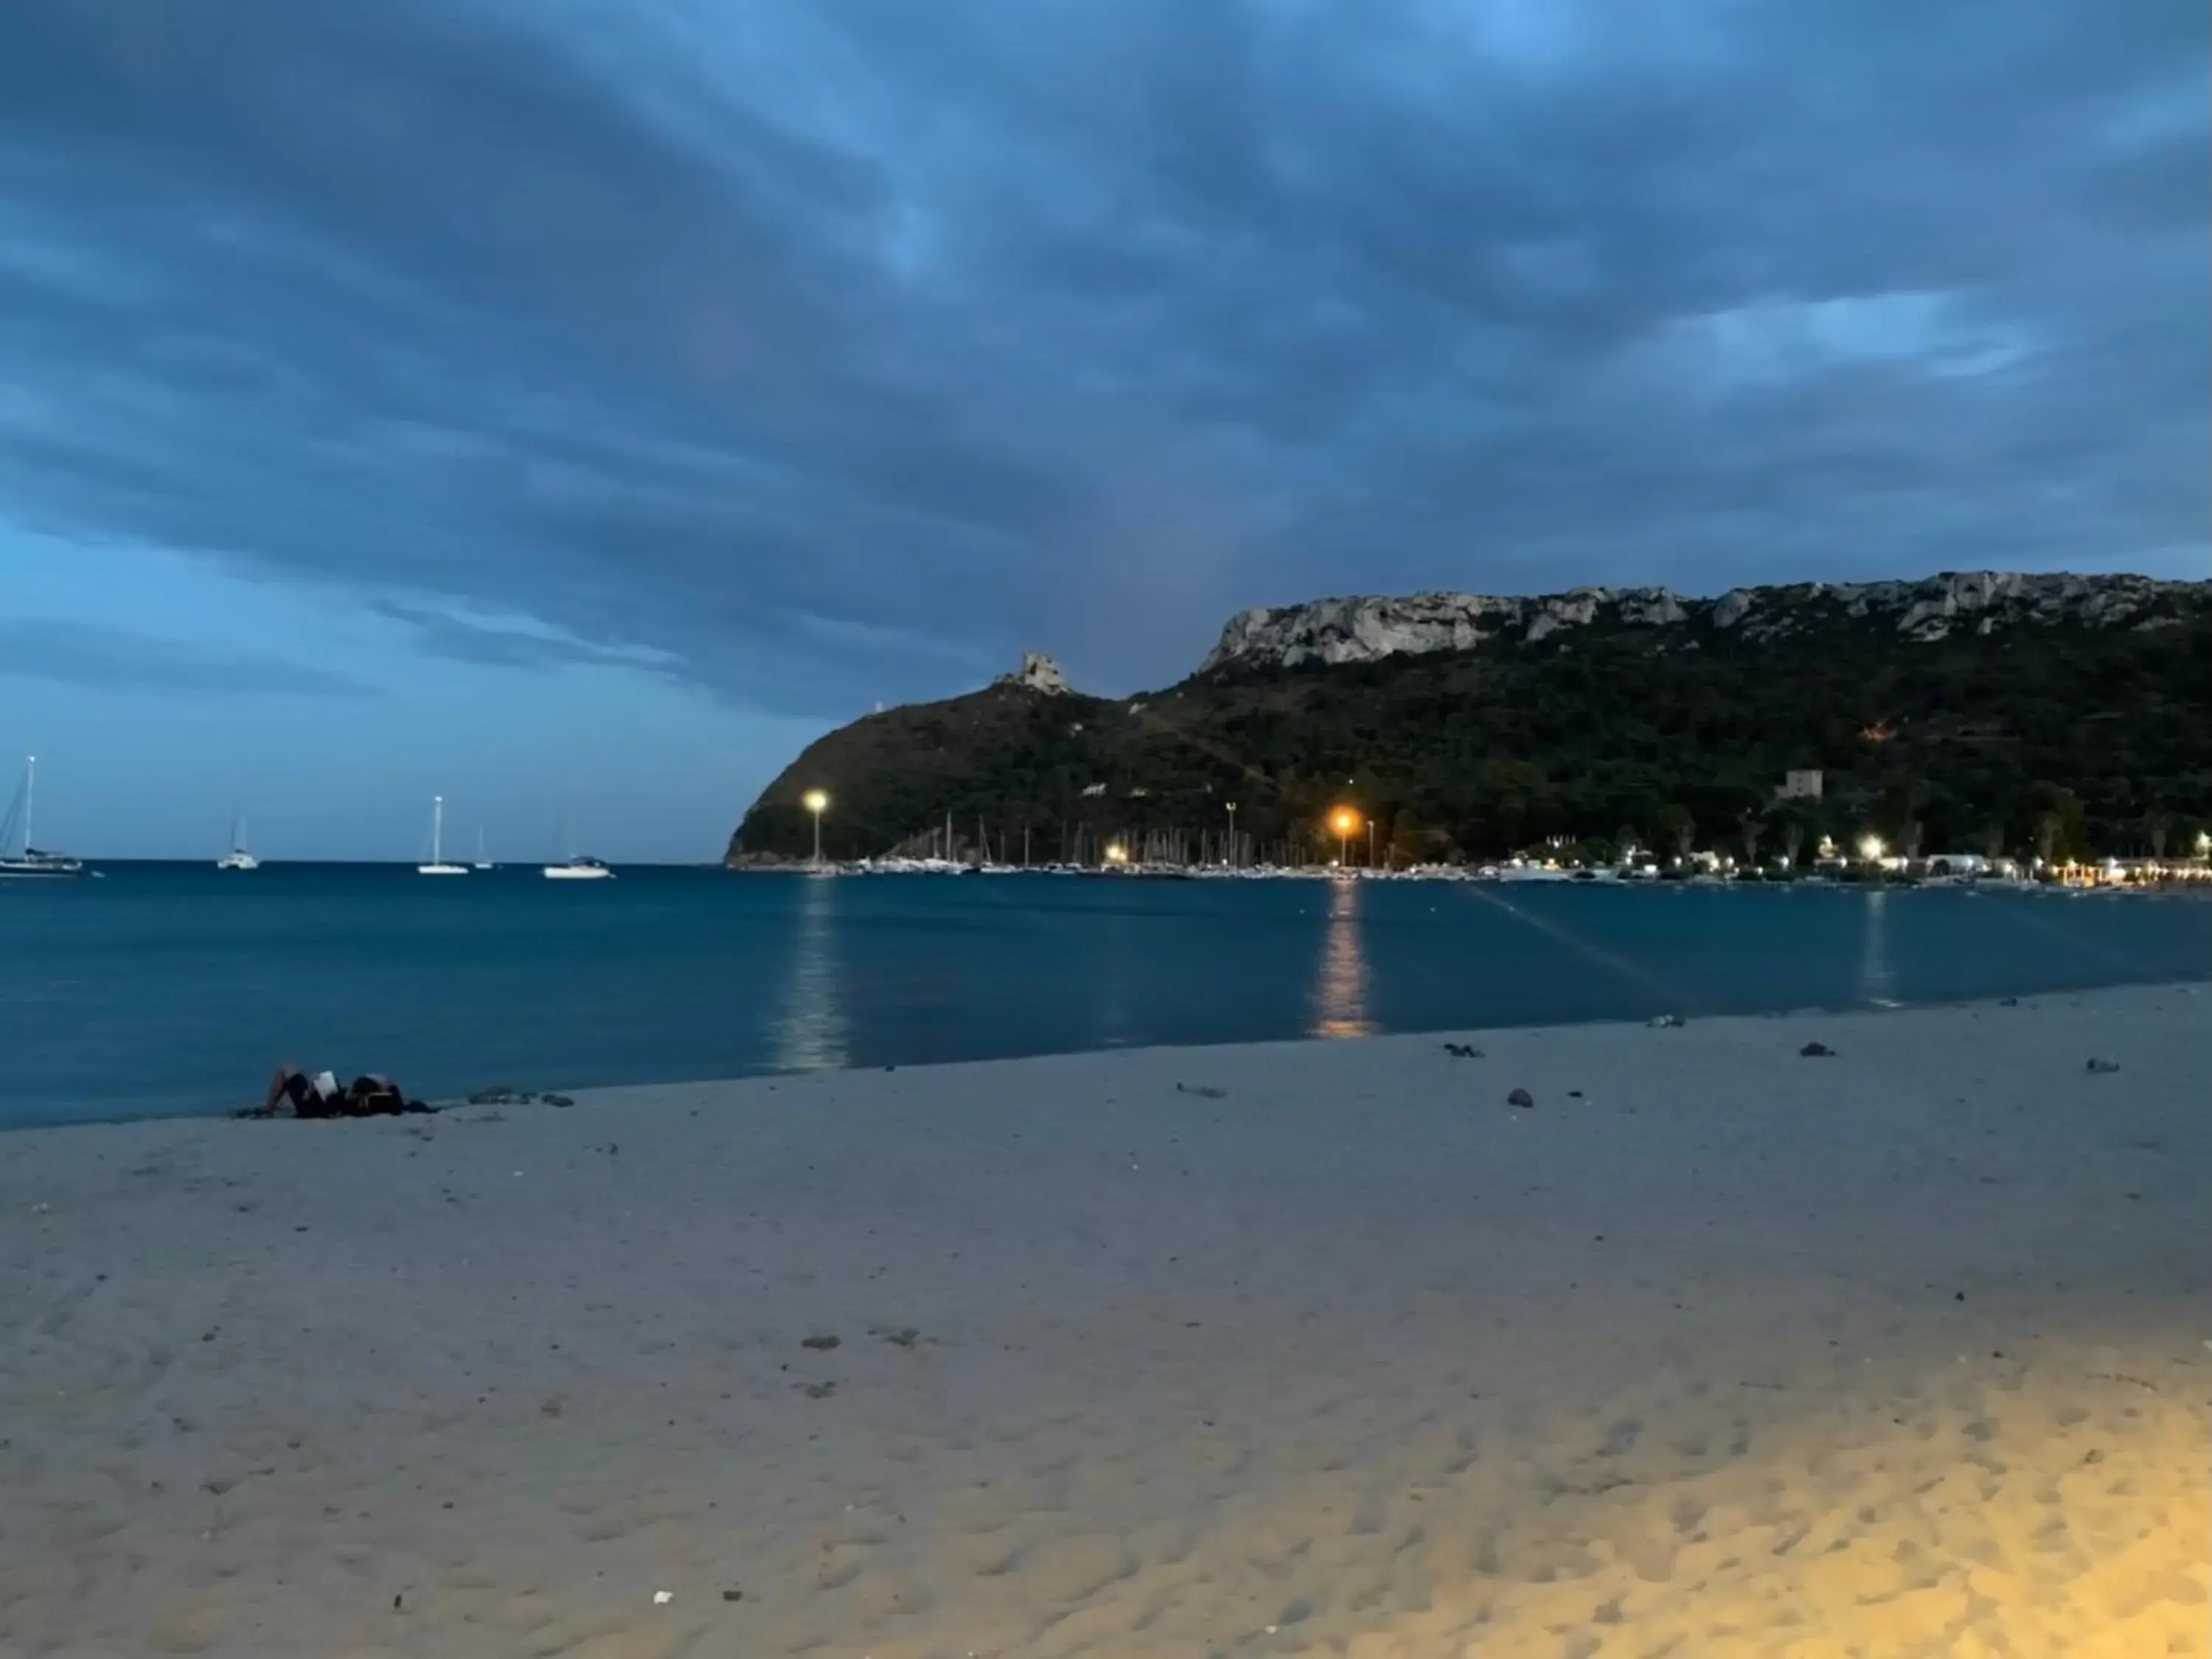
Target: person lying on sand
[322,1095]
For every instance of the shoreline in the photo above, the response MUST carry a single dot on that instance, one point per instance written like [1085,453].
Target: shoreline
[2194,880]
[1148,1351]
[577,1093]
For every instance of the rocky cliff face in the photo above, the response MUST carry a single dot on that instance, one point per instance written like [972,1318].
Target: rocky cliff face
[1038,672]
[1352,630]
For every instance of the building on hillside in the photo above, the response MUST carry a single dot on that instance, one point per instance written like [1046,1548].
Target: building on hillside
[1800,785]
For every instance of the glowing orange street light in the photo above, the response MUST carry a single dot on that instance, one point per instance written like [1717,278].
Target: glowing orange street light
[1345,822]
[817,801]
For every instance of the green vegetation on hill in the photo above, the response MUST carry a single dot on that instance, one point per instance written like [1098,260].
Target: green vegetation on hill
[2060,738]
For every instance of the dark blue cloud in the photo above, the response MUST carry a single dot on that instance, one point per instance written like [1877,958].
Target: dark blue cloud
[114,658]
[751,338]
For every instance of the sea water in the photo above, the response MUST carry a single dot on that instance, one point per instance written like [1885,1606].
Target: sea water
[161,989]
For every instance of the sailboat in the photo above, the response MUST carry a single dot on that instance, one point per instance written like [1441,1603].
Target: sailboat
[238,858]
[29,861]
[579,869]
[482,863]
[574,868]
[437,865]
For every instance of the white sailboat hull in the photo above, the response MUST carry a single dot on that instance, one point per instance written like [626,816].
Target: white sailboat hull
[441,869]
[44,866]
[578,872]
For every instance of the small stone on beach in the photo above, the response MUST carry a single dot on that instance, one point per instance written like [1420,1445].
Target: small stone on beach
[1817,1051]
[2096,1064]
[1522,1098]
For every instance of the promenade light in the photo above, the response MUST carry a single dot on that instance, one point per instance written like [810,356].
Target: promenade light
[817,801]
[1344,822]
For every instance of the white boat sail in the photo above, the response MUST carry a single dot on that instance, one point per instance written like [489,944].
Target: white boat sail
[238,858]
[437,865]
[27,861]
[482,863]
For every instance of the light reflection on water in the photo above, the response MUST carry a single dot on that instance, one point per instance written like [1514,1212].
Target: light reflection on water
[1877,976]
[1340,998]
[811,1028]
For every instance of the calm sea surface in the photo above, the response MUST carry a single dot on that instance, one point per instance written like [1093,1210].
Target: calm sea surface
[165,989]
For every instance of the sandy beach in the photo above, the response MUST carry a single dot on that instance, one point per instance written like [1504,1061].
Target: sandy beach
[1300,1349]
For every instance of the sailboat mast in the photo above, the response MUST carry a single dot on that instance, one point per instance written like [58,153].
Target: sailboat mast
[30,789]
[437,828]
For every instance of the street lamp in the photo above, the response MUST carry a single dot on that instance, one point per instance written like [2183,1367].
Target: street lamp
[1871,848]
[1116,854]
[816,803]
[1345,822]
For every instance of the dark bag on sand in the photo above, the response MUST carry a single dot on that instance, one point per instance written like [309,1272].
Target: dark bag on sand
[372,1096]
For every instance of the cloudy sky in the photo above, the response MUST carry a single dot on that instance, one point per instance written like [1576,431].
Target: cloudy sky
[574,406]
